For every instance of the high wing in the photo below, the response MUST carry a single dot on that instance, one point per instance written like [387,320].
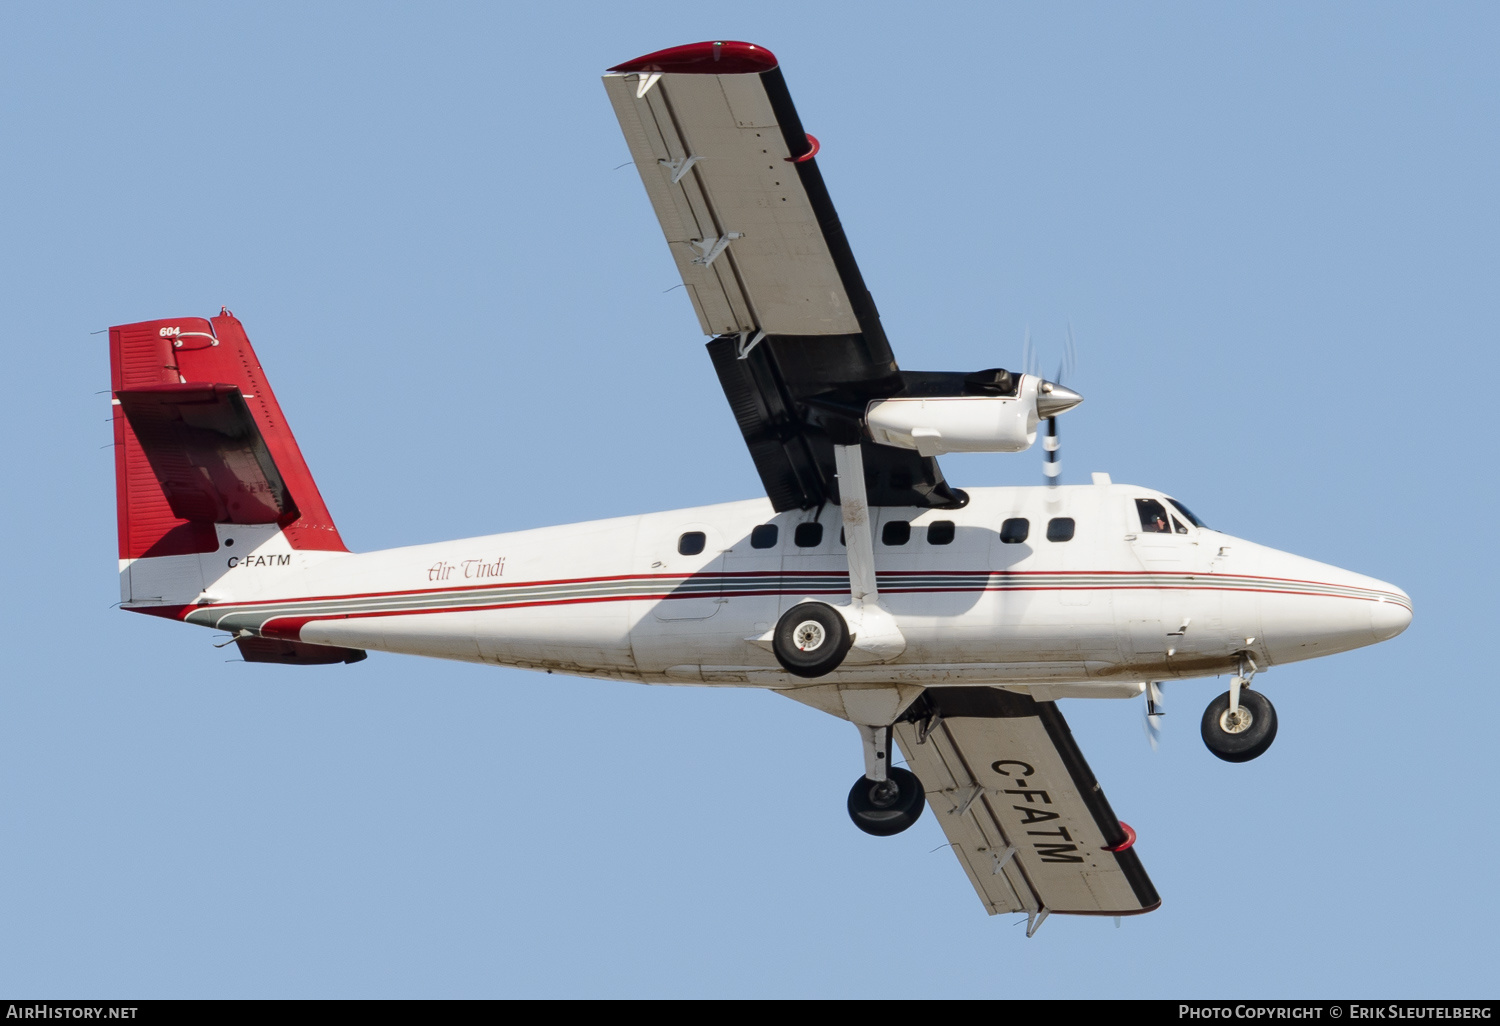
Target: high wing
[799,348]
[1025,816]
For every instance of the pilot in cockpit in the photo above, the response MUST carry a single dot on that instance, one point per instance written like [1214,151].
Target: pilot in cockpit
[1154,519]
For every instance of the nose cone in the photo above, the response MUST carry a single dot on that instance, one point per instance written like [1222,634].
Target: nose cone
[1309,609]
[1052,399]
[1389,616]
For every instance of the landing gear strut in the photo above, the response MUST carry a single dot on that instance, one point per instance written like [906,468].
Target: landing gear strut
[887,799]
[1240,724]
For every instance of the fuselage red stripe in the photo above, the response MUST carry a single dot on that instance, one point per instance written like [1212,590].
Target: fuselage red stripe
[1002,579]
[302,618]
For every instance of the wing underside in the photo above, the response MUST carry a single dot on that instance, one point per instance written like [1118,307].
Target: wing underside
[718,155]
[1021,807]
[755,237]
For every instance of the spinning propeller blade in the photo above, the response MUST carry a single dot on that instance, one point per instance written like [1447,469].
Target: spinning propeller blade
[1062,399]
[1155,710]
[1052,469]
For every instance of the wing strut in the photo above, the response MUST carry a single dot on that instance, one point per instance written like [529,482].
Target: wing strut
[872,708]
[875,631]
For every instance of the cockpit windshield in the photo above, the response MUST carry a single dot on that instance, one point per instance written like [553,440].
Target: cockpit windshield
[1188,515]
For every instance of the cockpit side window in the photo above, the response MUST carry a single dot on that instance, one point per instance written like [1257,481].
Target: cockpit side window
[1154,519]
[1187,515]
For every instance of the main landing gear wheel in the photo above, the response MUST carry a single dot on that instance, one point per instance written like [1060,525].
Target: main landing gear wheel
[886,807]
[1239,737]
[811,639]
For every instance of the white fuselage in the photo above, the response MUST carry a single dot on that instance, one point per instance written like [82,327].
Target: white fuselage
[1099,613]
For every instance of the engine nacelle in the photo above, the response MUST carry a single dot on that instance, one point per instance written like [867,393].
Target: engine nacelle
[961,423]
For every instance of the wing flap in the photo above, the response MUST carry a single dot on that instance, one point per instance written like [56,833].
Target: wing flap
[975,839]
[681,208]
[715,161]
[1020,806]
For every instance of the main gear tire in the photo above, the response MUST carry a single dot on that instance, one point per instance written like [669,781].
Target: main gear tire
[1245,735]
[886,807]
[811,639]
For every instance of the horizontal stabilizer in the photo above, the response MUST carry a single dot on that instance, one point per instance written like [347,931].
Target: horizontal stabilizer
[207,454]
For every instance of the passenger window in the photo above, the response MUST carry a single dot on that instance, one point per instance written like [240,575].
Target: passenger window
[763,536]
[1153,517]
[1060,529]
[691,543]
[895,532]
[1015,530]
[808,535]
[940,532]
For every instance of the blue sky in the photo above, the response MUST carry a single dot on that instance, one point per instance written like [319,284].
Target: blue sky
[1273,228]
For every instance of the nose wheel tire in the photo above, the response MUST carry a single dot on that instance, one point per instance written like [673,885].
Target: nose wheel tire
[1241,736]
[811,639]
[886,807]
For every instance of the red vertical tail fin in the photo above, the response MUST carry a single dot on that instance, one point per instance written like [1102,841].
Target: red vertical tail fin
[200,440]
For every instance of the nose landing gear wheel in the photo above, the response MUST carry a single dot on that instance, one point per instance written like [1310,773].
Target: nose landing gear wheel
[1241,736]
[811,639]
[886,807]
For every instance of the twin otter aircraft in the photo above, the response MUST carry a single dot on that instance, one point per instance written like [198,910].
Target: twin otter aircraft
[863,583]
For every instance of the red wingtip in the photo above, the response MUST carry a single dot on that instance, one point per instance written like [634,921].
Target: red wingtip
[1129,839]
[715,57]
[813,146]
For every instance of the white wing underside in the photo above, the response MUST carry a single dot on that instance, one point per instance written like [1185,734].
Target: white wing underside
[1007,784]
[735,214]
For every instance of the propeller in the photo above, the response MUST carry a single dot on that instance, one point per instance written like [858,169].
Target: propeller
[1066,368]
[1155,710]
